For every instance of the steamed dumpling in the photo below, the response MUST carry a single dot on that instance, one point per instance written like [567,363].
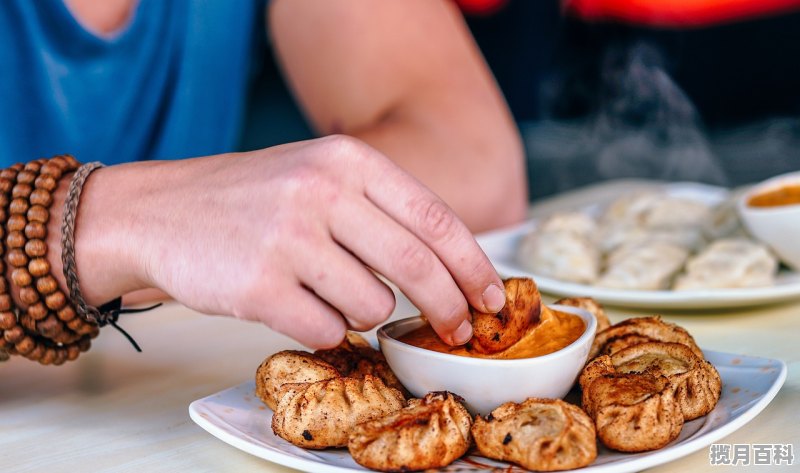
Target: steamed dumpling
[730,263]
[649,266]
[562,255]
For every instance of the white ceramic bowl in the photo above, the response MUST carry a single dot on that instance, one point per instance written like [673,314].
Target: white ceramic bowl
[486,383]
[779,226]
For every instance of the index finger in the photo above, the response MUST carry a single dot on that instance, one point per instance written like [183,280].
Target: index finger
[425,215]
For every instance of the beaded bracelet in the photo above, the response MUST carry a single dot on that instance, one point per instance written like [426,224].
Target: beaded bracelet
[48,331]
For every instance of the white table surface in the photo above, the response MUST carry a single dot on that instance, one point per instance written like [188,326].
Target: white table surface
[122,411]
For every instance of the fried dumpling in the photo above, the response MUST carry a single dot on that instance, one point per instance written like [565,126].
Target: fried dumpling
[289,366]
[493,333]
[322,414]
[355,358]
[734,262]
[637,330]
[429,433]
[632,412]
[646,266]
[697,383]
[590,305]
[538,434]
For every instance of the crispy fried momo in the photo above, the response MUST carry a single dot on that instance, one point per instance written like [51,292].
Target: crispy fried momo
[355,358]
[591,306]
[632,412]
[289,366]
[637,330]
[697,383]
[538,434]
[429,433]
[322,414]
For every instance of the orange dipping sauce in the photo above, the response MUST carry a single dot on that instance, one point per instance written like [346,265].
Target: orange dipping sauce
[786,195]
[554,331]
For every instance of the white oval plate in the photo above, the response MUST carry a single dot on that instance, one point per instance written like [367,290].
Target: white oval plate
[237,417]
[501,248]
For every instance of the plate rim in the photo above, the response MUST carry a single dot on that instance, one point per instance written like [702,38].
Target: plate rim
[638,463]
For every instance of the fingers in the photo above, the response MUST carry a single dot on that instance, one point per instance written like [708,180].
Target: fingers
[393,251]
[302,316]
[425,215]
[338,278]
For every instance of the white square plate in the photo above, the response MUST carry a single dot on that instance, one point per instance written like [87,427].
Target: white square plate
[236,416]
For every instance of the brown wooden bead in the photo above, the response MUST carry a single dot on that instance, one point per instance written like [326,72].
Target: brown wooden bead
[60,162]
[67,313]
[2,231]
[18,258]
[26,177]
[6,303]
[38,311]
[19,206]
[73,351]
[3,282]
[35,248]
[36,353]
[37,213]
[3,214]
[4,200]
[37,267]
[33,166]
[85,343]
[6,185]
[52,170]
[73,163]
[50,326]
[15,240]
[14,334]
[16,222]
[36,230]
[27,322]
[21,277]
[61,356]
[28,295]
[48,357]
[41,197]
[25,345]
[56,300]
[22,191]
[7,320]
[46,285]
[46,182]
[66,337]
[4,345]
[9,174]
[75,324]
[17,167]
[89,329]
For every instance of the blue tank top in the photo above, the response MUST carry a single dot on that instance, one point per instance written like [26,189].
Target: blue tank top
[171,84]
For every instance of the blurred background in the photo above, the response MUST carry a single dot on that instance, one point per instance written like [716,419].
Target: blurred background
[699,90]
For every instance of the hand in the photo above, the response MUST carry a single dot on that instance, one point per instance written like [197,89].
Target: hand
[286,236]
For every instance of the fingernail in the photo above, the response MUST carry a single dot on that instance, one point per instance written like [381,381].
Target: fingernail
[494,298]
[463,333]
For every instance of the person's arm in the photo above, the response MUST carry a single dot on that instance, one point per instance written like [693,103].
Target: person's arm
[407,78]
[287,236]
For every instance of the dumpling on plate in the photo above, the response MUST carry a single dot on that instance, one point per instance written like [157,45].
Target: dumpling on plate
[732,262]
[537,434]
[428,433]
[697,383]
[655,210]
[286,367]
[638,330]
[355,358]
[650,266]
[562,255]
[611,238]
[579,223]
[633,412]
[322,414]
